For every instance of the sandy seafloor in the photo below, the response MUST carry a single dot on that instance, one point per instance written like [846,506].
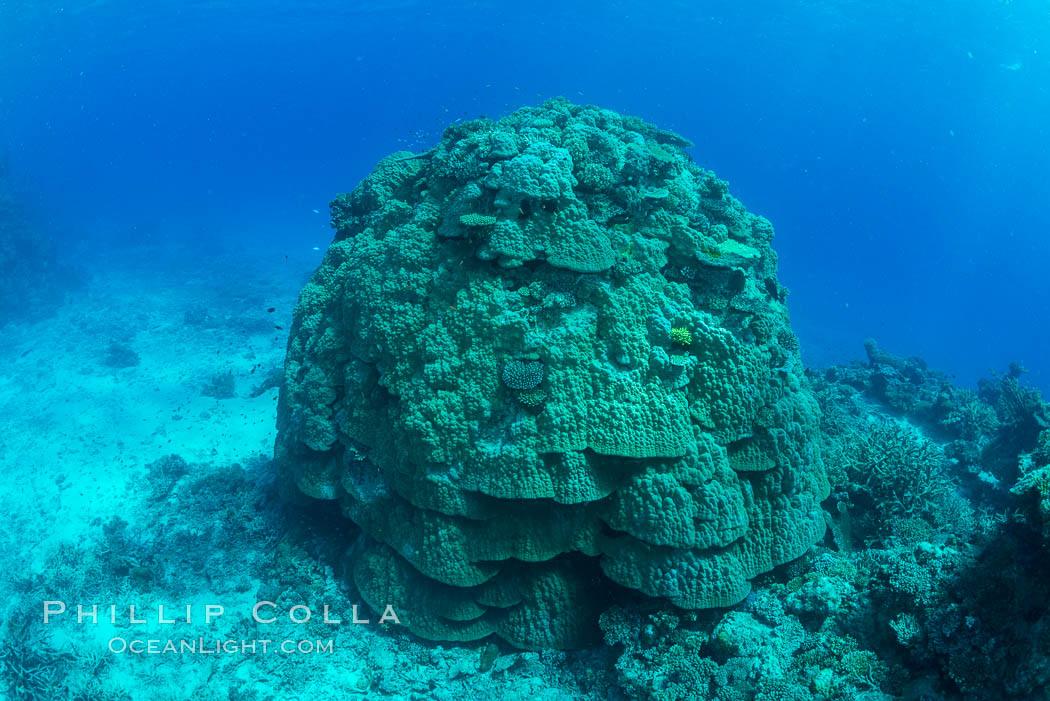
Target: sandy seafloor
[89,521]
[78,431]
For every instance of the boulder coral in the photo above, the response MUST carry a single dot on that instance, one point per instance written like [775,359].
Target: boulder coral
[484,373]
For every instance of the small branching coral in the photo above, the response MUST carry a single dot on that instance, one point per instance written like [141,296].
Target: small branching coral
[523,374]
[681,336]
[973,419]
[899,471]
[30,668]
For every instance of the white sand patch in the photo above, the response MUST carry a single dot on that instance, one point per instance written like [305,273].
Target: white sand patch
[78,431]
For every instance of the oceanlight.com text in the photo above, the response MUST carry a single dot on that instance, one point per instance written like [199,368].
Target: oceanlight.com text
[204,646]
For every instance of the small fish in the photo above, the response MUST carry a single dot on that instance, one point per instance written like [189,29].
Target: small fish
[279,328]
[271,310]
[317,248]
[317,211]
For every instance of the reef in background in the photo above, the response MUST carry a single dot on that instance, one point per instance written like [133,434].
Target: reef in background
[34,278]
[544,366]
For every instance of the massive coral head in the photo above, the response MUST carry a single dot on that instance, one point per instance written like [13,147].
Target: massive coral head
[545,362]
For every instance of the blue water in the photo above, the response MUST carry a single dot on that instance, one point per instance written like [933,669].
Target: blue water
[899,148]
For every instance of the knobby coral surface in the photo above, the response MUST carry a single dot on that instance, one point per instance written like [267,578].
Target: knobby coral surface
[489,372]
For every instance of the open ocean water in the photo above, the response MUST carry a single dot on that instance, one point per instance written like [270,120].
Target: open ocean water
[443,350]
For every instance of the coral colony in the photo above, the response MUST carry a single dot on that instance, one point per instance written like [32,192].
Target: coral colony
[522,372]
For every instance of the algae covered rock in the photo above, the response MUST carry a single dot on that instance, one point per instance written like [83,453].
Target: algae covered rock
[548,357]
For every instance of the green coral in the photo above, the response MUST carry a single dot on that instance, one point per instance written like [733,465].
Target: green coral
[682,336]
[489,505]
